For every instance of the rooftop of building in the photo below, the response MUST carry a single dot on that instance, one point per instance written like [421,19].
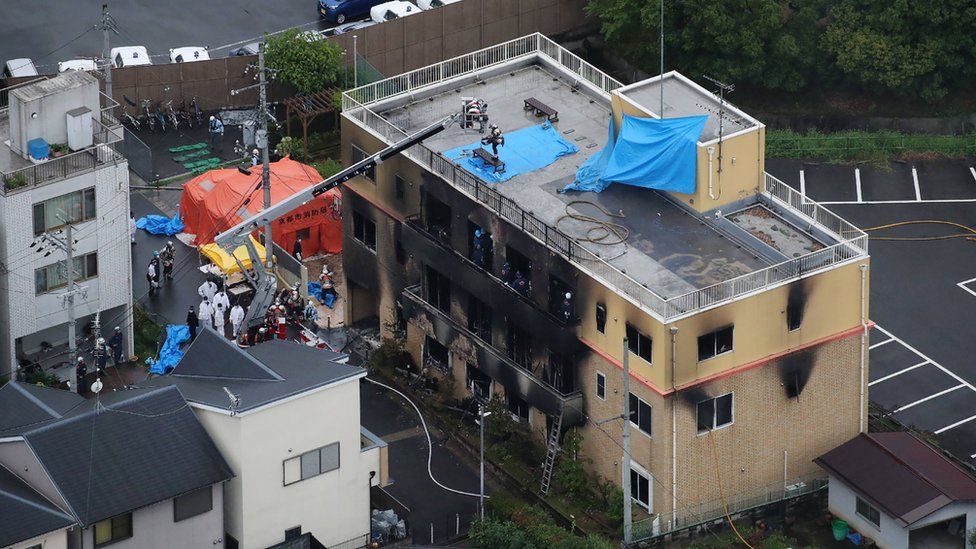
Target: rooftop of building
[260,375]
[672,252]
[26,513]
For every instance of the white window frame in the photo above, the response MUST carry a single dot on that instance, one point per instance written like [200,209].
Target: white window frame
[600,374]
[296,461]
[715,413]
[875,525]
[636,468]
[636,425]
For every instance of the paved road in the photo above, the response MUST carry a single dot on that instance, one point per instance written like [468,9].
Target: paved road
[923,295]
[30,29]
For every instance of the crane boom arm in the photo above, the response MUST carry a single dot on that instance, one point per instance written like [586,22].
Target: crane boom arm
[265,282]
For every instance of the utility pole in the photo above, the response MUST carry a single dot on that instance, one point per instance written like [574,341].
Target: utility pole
[625,461]
[262,143]
[482,414]
[722,89]
[108,24]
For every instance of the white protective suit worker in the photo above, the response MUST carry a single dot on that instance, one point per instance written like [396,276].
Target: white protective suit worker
[205,314]
[221,303]
[207,290]
[219,320]
[132,228]
[236,318]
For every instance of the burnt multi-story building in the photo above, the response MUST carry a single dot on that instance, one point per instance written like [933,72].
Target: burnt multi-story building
[741,307]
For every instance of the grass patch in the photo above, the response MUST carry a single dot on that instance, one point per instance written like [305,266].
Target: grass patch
[870,147]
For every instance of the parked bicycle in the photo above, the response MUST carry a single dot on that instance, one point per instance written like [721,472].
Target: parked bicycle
[160,116]
[196,113]
[148,116]
[171,116]
[127,118]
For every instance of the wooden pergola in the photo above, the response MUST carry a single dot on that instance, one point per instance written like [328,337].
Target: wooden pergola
[307,107]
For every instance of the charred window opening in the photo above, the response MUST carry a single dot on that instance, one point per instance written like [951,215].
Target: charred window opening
[478,382]
[516,266]
[638,343]
[438,290]
[400,187]
[601,318]
[480,245]
[435,354]
[519,345]
[714,413]
[714,343]
[437,216]
[364,230]
[401,254]
[794,316]
[559,373]
[479,319]
[518,407]
[561,306]
[359,154]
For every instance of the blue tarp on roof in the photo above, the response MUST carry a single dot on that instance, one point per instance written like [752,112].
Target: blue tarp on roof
[170,354]
[525,150]
[648,152]
[159,224]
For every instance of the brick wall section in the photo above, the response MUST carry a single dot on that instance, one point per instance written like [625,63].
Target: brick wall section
[750,452]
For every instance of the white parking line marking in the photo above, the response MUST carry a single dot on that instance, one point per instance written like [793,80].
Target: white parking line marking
[898,373]
[913,201]
[964,287]
[803,187]
[928,398]
[857,183]
[918,192]
[934,363]
[880,343]
[956,424]
[972,170]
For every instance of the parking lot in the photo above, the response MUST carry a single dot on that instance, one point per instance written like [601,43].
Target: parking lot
[60,29]
[923,292]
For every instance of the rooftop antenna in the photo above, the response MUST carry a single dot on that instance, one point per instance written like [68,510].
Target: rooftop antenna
[235,401]
[722,89]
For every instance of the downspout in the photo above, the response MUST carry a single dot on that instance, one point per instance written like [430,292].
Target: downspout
[711,155]
[864,341]
[674,423]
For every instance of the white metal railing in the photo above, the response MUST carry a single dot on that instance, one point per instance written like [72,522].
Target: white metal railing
[852,242]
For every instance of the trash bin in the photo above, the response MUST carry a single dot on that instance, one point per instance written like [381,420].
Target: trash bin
[840,529]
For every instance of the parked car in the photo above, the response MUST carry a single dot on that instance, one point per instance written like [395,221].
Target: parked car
[431,4]
[188,53]
[340,11]
[77,65]
[130,56]
[394,9]
[348,27]
[21,66]
[246,49]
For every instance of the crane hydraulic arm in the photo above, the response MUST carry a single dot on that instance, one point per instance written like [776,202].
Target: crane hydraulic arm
[265,283]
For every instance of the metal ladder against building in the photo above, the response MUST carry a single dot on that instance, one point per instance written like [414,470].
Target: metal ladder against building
[551,454]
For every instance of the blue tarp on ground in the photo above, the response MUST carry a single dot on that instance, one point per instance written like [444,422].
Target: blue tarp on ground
[524,151]
[650,153]
[170,354]
[327,299]
[159,224]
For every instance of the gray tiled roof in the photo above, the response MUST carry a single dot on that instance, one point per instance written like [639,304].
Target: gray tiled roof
[24,513]
[24,406]
[127,450]
[259,375]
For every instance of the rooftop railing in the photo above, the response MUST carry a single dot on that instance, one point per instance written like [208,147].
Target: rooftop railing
[59,168]
[851,242]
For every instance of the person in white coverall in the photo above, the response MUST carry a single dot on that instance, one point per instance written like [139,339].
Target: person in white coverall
[207,290]
[236,318]
[221,303]
[205,314]
[132,228]
[218,320]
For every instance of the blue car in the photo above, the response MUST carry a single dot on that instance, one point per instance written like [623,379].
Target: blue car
[340,11]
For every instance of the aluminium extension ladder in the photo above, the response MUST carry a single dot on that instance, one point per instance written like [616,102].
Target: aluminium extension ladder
[551,453]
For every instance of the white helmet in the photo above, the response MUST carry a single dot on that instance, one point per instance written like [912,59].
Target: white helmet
[569,295]
[255,151]
[101,341]
[212,118]
[81,359]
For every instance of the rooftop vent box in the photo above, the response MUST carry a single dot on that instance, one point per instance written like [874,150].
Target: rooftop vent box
[79,123]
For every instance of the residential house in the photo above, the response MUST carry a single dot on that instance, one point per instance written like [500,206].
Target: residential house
[133,468]
[900,492]
[287,418]
[741,307]
[28,519]
[87,187]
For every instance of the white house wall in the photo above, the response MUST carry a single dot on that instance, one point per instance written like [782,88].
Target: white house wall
[20,460]
[225,431]
[52,540]
[842,503]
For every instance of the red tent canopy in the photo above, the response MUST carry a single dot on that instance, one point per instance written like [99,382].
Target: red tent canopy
[214,201]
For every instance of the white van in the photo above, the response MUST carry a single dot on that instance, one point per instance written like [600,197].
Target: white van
[20,67]
[431,4]
[77,65]
[188,53]
[130,56]
[389,11]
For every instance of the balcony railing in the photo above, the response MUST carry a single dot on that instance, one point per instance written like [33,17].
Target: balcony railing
[852,243]
[59,168]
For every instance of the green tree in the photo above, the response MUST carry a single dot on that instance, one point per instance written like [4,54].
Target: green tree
[308,64]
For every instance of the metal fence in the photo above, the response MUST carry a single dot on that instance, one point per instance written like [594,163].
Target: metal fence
[690,516]
[61,167]
[868,144]
[139,155]
[852,243]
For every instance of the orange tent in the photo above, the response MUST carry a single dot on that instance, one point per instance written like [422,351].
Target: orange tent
[215,201]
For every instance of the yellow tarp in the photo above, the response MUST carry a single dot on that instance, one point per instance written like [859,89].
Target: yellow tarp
[225,262]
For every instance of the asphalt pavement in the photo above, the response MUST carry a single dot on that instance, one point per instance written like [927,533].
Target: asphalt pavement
[58,30]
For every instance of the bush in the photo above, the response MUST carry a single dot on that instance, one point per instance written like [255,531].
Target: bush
[327,168]
[570,475]
[389,355]
[530,528]
[15,180]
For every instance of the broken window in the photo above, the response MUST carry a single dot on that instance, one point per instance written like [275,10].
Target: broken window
[478,382]
[601,318]
[480,245]
[638,343]
[794,316]
[359,154]
[714,413]
[559,373]
[479,318]
[518,407]
[438,218]
[399,186]
[438,290]
[518,264]
[519,345]
[559,305]
[364,230]
[714,343]
[640,414]
[435,354]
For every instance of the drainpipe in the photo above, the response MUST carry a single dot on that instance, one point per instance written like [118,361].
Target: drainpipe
[864,340]
[711,154]
[674,421]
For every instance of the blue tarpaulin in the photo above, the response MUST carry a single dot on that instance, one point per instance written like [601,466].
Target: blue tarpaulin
[159,224]
[524,151]
[170,354]
[327,299]
[648,152]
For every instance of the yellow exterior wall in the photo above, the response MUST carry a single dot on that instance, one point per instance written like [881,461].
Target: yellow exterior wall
[383,190]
